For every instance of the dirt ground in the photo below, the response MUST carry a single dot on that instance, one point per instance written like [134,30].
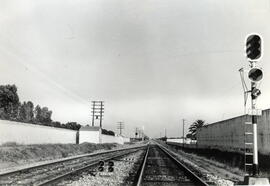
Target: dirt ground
[12,155]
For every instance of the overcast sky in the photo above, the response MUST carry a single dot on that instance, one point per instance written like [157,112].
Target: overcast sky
[153,62]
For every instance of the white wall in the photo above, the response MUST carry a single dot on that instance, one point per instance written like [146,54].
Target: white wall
[90,137]
[112,139]
[107,139]
[23,133]
[180,140]
[97,137]
[176,140]
[126,140]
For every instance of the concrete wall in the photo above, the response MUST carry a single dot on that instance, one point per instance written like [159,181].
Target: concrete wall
[97,137]
[89,136]
[176,140]
[228,135]
[180,140]
[126,140]
[112,139]
[23,133]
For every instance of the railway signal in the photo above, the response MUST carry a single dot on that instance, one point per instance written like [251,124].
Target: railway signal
[255,74]
[253,47]
[254,54]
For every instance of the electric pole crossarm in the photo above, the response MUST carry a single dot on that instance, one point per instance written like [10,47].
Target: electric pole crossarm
[97,112]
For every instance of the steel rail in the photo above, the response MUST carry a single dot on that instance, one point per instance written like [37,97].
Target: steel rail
[76,171]
[188,172]
[191,174]
[65,160]
[142,168]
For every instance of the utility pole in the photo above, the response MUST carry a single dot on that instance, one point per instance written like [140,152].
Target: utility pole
[165,132]
[183,132]
[142,133]
[101,113]
[120,126]
[97,112]
[93,112]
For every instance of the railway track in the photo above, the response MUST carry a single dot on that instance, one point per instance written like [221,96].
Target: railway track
[159,167]
[52,173]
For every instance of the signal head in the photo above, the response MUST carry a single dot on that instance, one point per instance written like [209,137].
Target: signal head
[253,47]
[255,74]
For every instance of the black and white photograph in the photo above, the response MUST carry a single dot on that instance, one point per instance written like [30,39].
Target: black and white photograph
[134,92]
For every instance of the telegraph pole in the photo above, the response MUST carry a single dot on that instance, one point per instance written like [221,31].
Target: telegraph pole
[183,132]
[101,113]
[93,112]
[142,133]
[97,112]
[120,126]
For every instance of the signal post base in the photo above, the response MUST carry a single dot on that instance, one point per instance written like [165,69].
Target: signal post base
[249,180]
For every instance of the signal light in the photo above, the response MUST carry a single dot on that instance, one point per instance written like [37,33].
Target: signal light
[253,47]
[110,168]
[255,74]
[101,166]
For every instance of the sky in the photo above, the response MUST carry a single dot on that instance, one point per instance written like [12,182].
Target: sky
[152,62]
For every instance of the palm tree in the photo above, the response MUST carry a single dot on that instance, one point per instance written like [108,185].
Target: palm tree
[195,126]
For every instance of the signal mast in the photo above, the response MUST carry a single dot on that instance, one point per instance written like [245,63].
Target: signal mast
[255,74]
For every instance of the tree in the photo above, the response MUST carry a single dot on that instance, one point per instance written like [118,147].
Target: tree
[56,124]
[107,132]
[195,126]
[45,116]
[22,112]
[9,101]
[37,114]
[73,125]
[42,115]
[189,135]
[26,112]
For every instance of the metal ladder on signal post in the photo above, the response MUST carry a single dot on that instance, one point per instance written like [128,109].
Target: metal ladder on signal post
[248,140]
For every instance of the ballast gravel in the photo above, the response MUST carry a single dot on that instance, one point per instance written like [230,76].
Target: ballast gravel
[205,174]
[122,168]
